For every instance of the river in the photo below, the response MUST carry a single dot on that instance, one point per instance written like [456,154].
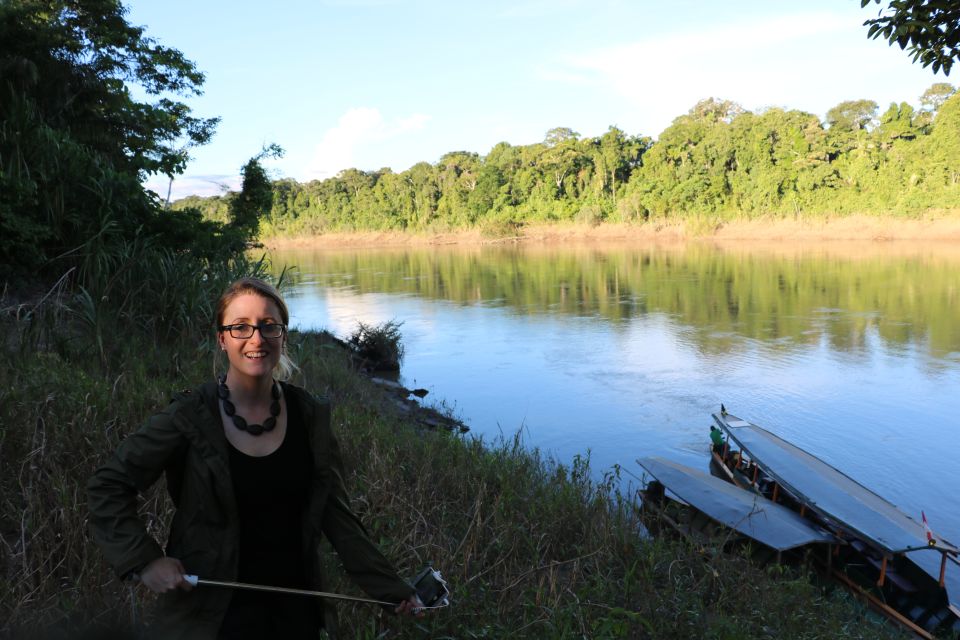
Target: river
[623,351]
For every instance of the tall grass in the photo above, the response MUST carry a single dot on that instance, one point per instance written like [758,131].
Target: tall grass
[531,548]
[131,289]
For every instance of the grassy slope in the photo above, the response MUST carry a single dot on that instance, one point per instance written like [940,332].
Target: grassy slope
[531,548]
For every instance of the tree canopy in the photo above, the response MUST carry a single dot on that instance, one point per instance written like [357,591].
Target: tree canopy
[852,115]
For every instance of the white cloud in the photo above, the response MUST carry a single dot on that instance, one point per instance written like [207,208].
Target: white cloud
[791,60]
[412,123]
[356,129]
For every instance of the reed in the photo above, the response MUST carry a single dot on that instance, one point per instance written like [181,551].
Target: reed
[532,548]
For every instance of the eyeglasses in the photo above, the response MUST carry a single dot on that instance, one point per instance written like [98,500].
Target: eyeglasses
[270,330]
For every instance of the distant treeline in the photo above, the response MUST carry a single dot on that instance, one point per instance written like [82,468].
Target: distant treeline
[717,160]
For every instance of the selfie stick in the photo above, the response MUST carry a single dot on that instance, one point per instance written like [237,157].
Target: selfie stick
[195,580]
[430,586]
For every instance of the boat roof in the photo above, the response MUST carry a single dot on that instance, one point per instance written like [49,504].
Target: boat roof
[752,515]
[830,492]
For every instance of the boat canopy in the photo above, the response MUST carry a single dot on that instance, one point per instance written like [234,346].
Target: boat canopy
[752,515]
[829,492]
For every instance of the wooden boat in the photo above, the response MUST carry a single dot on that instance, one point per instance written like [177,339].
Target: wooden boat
[702,507]
[888,558]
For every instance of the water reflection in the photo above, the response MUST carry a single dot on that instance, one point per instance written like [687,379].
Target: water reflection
[782,301]
[625,351]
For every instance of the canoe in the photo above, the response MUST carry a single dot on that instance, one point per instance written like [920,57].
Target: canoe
[887,556]
[752,516]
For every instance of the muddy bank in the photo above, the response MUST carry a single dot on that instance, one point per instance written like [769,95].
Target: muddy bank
[393,397]
[941,227]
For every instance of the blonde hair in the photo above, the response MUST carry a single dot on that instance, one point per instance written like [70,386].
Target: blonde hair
[286,366]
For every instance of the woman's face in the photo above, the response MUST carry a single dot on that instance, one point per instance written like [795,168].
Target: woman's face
[255,356]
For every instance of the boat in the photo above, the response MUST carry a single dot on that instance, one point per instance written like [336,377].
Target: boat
[701,507]
[886,557]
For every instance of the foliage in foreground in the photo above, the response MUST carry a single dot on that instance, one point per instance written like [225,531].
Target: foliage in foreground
[76,144]
[929,29]
[531,548]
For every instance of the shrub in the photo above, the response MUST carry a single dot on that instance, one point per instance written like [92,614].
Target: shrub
[590,214]
[380,345]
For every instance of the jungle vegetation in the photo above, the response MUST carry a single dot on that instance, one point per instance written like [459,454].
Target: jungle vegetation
[718,160]
[76,143]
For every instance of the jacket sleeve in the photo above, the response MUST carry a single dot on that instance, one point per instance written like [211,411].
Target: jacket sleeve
[112,493]
[360,556]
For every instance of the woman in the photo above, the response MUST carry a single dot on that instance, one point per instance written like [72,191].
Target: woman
[254,471]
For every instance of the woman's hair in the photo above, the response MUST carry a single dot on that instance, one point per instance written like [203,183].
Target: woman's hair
[286,366]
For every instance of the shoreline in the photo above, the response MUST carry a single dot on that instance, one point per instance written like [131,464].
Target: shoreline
[942,228]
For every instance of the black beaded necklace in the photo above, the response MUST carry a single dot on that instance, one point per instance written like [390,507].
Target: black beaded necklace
[238,421]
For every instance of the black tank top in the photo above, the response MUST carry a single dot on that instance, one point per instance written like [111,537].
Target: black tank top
[271,496]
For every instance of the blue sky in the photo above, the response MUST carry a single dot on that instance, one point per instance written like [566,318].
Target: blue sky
[386,83]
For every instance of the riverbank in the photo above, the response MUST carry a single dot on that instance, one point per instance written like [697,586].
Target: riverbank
[531,548]
[936,227]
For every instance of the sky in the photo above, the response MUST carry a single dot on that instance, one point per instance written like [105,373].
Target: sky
[389,83]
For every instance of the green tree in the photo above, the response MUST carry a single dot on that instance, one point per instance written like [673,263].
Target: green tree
[930,102]
[458,172]
[852,115]
[619,154]
[897,122]
[75,143]
[936,95]
[256,195]
[848,124]
[942,152]
[714,110]
[562,157]
[929,29]
[559,135]
[421,181]
[484,198]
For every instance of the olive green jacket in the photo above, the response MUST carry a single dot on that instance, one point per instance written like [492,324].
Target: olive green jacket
[187,443]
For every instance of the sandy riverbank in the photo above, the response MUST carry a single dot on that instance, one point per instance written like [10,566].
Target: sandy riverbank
[942,228]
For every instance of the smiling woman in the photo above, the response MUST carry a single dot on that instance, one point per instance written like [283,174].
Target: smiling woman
[255,473]
[256,331]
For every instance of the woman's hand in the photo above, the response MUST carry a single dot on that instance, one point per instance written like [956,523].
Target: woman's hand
[164,574]
[411,606]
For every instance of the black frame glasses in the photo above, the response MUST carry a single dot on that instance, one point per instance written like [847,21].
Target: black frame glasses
[243,330]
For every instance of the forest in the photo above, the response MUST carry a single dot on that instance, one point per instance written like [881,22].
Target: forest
[718,160]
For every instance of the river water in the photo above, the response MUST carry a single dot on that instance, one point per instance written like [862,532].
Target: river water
[851,352]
